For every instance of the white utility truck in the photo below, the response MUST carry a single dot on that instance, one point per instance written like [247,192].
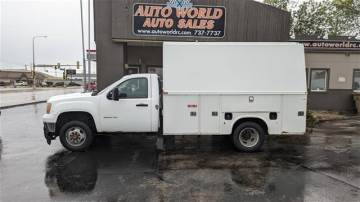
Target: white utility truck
[246,90]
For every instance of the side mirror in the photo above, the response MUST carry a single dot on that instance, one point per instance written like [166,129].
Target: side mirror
[115,94]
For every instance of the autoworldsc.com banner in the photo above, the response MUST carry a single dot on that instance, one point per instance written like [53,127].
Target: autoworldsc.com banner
[163,20]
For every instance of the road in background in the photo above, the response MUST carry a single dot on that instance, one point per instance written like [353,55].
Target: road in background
[16,96]
[322,166]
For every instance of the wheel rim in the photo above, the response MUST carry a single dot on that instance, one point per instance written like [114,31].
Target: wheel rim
[75,136]
[249,137]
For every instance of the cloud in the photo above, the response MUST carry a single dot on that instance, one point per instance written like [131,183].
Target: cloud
[59,20]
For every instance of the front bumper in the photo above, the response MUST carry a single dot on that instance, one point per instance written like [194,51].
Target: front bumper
[49,118]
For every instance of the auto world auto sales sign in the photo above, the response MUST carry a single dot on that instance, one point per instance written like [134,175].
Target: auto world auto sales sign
[179,18]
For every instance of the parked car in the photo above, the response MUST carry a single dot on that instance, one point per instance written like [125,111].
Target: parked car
[43,84]
[245,90]
[59,84]
[20,83]
[73,84]
[2,83]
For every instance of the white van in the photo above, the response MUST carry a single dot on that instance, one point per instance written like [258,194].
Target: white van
[247,90]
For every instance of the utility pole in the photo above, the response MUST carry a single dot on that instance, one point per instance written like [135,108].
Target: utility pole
[83,44]
[89,31]
[33,54]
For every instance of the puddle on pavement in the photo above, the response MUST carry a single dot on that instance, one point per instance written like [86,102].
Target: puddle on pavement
[197,167]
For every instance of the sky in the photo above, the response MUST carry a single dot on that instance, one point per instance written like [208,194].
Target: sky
[20,20]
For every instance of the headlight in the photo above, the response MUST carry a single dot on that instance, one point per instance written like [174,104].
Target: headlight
[48,108]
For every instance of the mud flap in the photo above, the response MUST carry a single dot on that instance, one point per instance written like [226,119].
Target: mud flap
[48,136]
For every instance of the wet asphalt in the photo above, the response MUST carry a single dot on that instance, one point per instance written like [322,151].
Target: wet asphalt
[321,166]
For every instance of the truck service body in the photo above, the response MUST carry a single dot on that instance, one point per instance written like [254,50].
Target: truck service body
[247,90]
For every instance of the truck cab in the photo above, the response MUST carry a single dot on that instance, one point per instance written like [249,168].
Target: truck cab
[131,104]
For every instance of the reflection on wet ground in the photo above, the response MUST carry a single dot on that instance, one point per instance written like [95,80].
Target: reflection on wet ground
[113,168]
[322,166]
[287,170]
[0,147]
[70,172]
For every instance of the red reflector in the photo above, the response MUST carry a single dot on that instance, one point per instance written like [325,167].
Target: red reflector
[192,106]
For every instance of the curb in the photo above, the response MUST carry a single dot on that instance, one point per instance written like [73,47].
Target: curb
[338,119]
[23,104]
[20,90]
[318,122]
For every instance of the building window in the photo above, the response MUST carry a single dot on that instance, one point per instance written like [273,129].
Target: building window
[319,80]
[132,70]
[156,70]
[356,79]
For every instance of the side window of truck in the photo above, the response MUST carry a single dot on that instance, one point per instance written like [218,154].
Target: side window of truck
[134,88]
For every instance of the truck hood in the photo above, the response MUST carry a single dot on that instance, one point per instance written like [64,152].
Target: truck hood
[66,97]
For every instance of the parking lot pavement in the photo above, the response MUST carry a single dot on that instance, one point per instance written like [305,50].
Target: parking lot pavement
[23,96]
[323,166]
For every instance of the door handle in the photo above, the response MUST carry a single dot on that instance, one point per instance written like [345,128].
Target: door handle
[142,105]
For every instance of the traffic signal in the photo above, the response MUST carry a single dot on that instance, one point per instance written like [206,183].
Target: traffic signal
[77,65]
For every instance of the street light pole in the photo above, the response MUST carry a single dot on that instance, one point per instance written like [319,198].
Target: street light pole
[89,39]
[33,54]
[83,44]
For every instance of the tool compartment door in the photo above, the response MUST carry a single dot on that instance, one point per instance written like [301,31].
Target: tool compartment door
[209,114]
[294,114]
[181,114]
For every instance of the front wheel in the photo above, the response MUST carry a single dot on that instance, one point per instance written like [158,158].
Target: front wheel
[248,137]
[76,136]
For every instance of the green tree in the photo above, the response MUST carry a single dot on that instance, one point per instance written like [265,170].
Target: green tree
[344,18]
[310,19]
[282,4]
[322,18]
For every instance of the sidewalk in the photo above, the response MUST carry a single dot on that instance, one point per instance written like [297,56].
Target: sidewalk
[22,96]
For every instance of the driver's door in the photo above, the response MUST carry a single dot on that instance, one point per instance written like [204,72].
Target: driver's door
[131,113]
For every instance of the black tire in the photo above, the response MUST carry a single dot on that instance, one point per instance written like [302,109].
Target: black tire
[242,129]
[86,131]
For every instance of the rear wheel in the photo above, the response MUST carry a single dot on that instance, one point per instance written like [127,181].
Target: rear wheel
[248,137]
[76,136]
